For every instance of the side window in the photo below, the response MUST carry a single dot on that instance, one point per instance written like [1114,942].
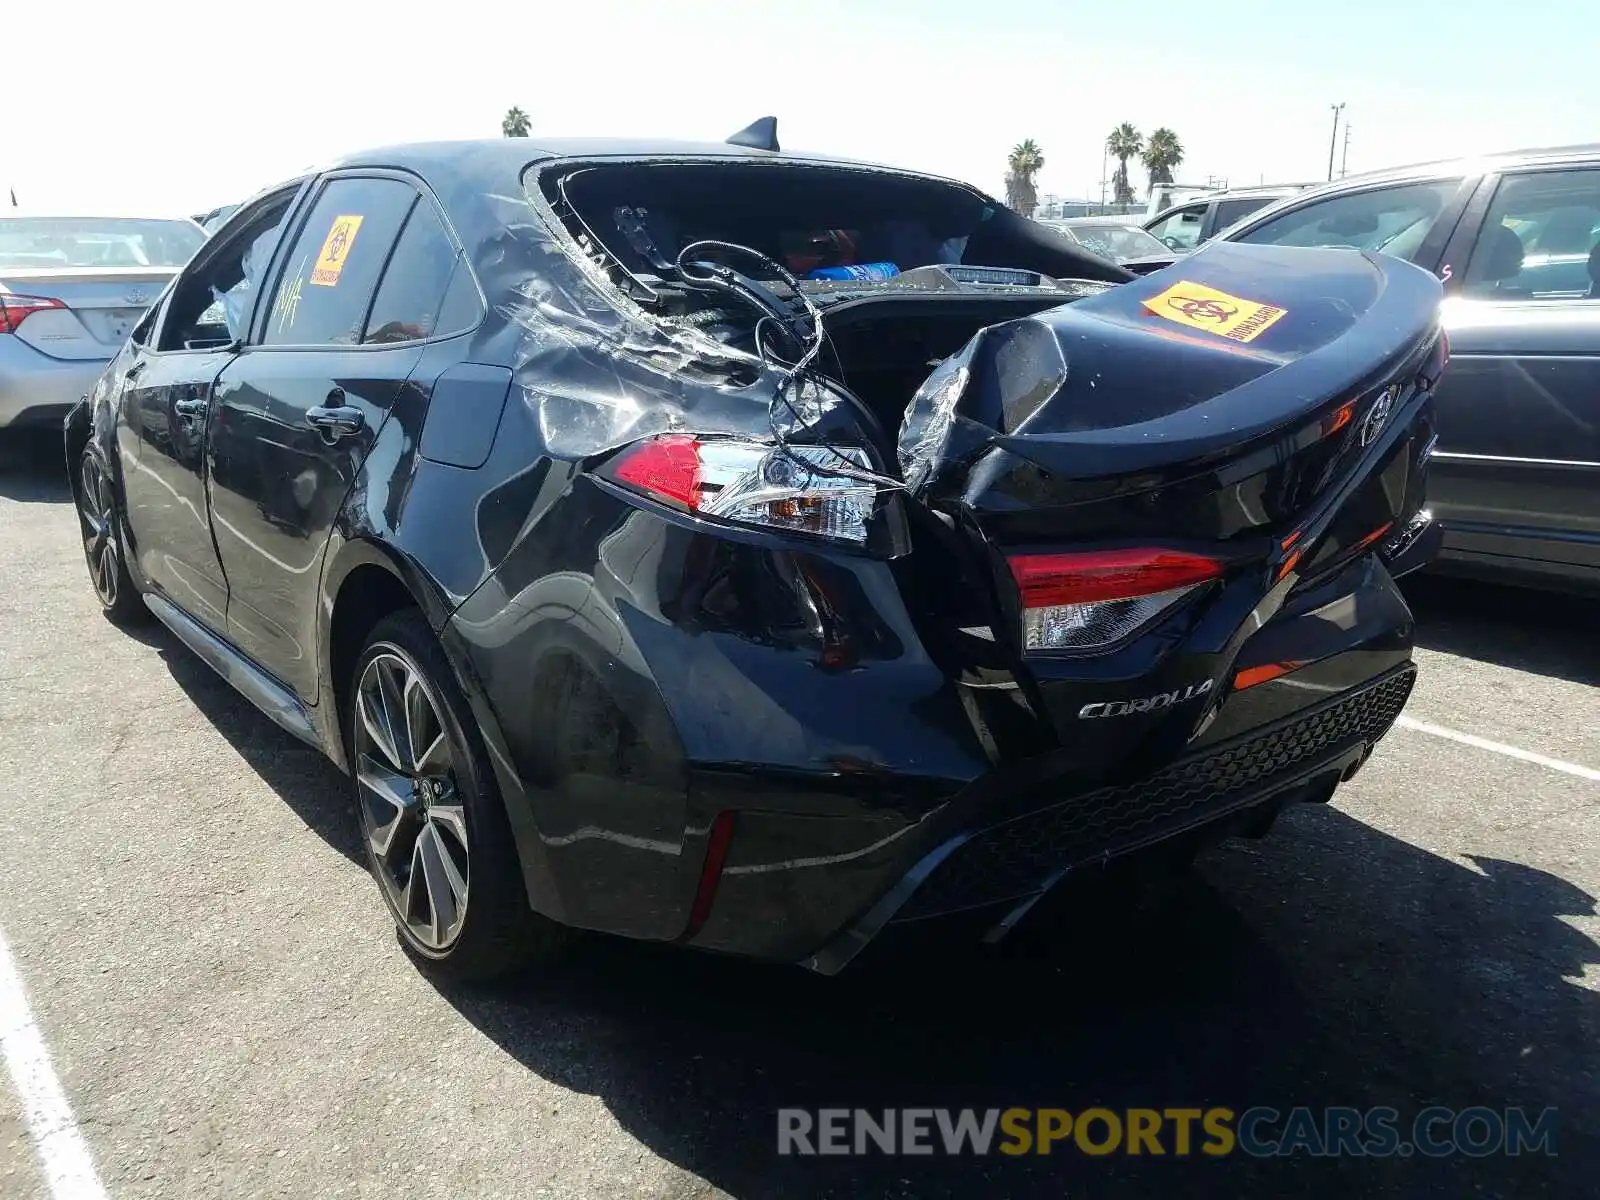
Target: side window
[1539,239]
[141,332]
[1180,229]
[332,269]
[211,303]
[462,308]
[410,300]
[1392,219]
[1231,211]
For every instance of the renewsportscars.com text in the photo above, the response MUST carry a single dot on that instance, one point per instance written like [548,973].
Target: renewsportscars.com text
[1259,1132]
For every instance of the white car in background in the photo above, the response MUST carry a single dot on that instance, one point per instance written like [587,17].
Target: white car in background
[71,290]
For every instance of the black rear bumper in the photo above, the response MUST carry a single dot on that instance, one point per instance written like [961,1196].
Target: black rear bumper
[1016,862]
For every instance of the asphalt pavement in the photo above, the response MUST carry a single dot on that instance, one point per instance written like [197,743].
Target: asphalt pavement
[229,1014]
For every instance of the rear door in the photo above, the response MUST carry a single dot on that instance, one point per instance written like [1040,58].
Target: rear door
[166,412]
[1516,477]
[358,297]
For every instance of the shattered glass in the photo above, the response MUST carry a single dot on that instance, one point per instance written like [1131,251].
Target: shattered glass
[597,372]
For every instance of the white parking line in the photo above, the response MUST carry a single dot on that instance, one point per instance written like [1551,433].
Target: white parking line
[1468,739]
[61,1148]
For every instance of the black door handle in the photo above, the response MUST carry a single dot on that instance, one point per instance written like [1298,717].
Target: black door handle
[337,422]
[193,406]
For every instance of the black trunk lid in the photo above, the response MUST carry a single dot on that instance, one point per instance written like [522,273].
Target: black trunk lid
[1265,407]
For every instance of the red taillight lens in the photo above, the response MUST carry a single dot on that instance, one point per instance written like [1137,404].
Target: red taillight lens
[1090,600]
[14,309]
[1106,575]
[666,467]
[717,842]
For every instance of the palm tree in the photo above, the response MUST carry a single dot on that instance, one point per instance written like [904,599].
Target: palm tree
[1162,153]
[1024,163]
[515,123]
[1124,143]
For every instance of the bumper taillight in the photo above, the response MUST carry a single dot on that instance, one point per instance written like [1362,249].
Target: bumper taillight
[1094,599]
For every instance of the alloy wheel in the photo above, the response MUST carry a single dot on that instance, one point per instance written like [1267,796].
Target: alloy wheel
[411,810]
[97,508]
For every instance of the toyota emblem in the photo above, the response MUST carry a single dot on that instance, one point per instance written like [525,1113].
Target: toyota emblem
[1377,417]
[138,296]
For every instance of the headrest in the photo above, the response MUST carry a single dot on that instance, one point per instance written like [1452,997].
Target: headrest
[1505,255]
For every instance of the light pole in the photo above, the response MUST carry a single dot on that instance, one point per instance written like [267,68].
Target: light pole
[1103,160]
[1344,158]
[1333,138]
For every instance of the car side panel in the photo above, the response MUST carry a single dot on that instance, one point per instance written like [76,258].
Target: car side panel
[1515,481]
[278,484]
[1517,471]
[168,406]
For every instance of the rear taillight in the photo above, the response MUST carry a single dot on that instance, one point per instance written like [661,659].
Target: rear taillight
[1094,599]
[794,488]
[14,309]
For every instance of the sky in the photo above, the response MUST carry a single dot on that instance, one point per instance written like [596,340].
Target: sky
[160,107]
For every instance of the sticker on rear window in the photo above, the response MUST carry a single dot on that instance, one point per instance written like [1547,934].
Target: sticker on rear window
[1201,307]
[335,250]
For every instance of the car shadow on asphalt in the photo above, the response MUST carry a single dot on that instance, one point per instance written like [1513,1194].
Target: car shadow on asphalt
[1330,965]
[31,467]
[302,777]
[1548,633]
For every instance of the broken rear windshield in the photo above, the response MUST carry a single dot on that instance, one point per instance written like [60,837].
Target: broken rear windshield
[815,219]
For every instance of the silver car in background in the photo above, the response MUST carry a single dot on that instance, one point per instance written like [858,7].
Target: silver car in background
[1116,238]
[71,289]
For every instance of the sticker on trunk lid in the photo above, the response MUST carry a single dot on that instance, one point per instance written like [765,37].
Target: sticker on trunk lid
[335,250]
[1202,307]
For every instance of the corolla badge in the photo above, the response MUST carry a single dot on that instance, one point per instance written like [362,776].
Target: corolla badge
[1123,708]
[1377,417]
[138,296]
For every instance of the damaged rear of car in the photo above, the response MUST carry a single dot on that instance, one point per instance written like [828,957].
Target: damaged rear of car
[912,558]
[713,545]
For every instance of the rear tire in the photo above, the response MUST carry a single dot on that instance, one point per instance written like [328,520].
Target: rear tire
[432,819]
[100,524]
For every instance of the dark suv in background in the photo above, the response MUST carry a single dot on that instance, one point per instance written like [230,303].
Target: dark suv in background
[1515,478]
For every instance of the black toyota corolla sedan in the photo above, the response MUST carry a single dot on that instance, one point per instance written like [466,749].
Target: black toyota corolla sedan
[709,544]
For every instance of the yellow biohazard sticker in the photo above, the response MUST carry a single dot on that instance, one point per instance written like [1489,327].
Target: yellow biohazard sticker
[1201,307]
[335,250]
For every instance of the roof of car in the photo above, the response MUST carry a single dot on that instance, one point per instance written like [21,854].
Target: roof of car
[1265,189]
[1474,164]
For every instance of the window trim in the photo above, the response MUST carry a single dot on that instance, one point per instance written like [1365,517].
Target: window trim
[424,194]
[215,247]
